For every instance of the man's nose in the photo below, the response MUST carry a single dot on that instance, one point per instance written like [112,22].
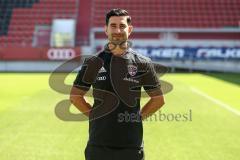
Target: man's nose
[118,30]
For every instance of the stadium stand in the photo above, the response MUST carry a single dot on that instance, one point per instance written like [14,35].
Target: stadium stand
[174,13]
[20,17]
[199,29]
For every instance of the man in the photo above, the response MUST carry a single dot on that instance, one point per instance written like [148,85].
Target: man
[116,74]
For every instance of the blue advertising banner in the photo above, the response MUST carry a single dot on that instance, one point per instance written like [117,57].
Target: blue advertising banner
[190,53]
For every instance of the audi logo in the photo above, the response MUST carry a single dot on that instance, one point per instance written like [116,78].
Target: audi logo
[60,54]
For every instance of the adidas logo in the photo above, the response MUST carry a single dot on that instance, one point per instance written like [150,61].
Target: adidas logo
[102,70]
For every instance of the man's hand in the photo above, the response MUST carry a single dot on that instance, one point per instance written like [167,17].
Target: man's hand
[154,104]
[77,99]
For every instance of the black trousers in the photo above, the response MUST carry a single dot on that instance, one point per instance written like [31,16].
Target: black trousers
[113,153]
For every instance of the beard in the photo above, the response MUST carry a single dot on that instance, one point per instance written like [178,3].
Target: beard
[118,38]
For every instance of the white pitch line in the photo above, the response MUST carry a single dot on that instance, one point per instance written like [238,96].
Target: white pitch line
[221,104]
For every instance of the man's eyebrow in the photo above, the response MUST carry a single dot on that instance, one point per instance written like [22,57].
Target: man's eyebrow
[113,24]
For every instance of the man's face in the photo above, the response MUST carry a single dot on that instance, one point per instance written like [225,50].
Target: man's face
[118,29]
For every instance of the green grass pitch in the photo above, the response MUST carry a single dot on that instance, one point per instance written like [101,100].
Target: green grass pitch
[29,129]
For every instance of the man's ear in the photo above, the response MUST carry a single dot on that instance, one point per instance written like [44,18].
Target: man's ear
[130,29]
[105,29]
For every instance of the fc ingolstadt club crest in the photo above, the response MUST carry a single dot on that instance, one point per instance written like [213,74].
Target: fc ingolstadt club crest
[132,70]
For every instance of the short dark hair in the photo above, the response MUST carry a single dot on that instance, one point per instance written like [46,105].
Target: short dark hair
[117,12]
